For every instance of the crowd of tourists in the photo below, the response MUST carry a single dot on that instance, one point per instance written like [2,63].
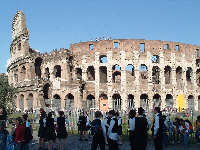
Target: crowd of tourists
[105,130]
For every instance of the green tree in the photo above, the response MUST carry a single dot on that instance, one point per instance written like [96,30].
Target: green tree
[7,93]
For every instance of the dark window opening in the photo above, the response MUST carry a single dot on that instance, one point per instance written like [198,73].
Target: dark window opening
[47,74]
[57,71]
[116,75]
[169,101]
[90,101]
[79,73]
[156,100]
[46,91]
[144,101]
[189,74]
[143,71]
[38,62]
[167,74]
[155,75]
[91,73]
[142,47]
[69,101]
[91,46]
[116,102]
[103,59]
[130,101]
[198,62]
[130,70]
[198,77]
[103,74]
[116,45]
[197,52]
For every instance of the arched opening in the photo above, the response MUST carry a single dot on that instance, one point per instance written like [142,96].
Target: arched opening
[179,77]
[23,72]
[103,98]
[21,102]
[169,101]
[167,74]
[57,71]
[189,74]
[56,103]
[79,73]
[103,59]
[191,102]
[47,74]
[156,100]
[90,101]
[46,91]
[91,73]
[198,77]
[144,102]
[117,102]
[103,74]
[16,75]
[69,101]
[155,59]
[30,102]
[155,75]
[143,72]
[116,75]
[131,104]
[130,73]
[38,62]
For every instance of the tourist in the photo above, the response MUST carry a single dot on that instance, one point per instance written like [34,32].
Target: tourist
[157,129]
[19,134]
[107,120]
[113,132]
[119,119]
[3,135]
[61,130]
[28,132]
[50,131]
[197,126]
[42,129]
[82,125]
[98,131]
[131,123]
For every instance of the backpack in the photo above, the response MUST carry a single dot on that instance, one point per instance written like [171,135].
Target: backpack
[96,129]
[10,144]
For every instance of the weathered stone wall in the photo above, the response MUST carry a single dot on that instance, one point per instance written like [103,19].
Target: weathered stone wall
[107,74]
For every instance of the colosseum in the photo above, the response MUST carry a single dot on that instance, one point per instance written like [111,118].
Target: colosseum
[104,74]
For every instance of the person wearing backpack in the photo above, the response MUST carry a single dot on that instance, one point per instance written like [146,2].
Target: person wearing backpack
[131,123]
[19,134]
[3,135]
[82,125]
[28,132]
[197,126]
[157,129]
[119,119]
[98,131]
[113,131]
[185,131]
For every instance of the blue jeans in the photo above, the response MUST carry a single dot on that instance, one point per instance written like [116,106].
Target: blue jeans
[26,146]
[186,139]
[19,146]
[197,134]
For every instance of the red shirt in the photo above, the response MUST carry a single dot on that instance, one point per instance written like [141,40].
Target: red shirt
[19,136]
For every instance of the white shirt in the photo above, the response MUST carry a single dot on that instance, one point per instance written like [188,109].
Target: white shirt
[119,121]
[132,124]
[111,135]
[103,127]
[156,124]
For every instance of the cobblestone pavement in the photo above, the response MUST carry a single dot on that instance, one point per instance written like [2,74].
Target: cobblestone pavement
[74,144]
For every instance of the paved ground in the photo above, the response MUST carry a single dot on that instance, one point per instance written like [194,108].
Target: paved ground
[74,144]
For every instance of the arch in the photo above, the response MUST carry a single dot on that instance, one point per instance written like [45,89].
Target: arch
[23,72]
[90,101]
[46,91]
[21,102]
[190,102]
[117,102]
[179,77]
[116,75]
[103,100]
[103,59]
[155,75]
[103,74]
[56,103]
[155,59]
[79,73]
[167,74]
[30,102]
[38,62]
[47,74]
[16,75]
[198,77]
[143,71]
[131,104]
[169,101]
[57,71]
[69,101]
[130,73]
[189,74]
[156,100]
[144,101]
[91,73]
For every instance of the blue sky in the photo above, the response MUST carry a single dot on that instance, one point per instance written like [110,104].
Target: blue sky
[58,23]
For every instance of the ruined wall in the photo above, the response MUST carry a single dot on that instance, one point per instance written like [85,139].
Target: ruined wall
[104,74]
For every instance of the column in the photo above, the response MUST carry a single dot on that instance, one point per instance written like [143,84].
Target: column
[109,78]
[97,80]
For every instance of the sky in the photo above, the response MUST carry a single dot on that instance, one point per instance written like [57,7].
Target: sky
[55,24]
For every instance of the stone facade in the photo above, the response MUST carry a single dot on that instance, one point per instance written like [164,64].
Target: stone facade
[104,74]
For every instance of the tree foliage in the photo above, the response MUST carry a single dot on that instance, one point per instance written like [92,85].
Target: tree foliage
[7,93]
